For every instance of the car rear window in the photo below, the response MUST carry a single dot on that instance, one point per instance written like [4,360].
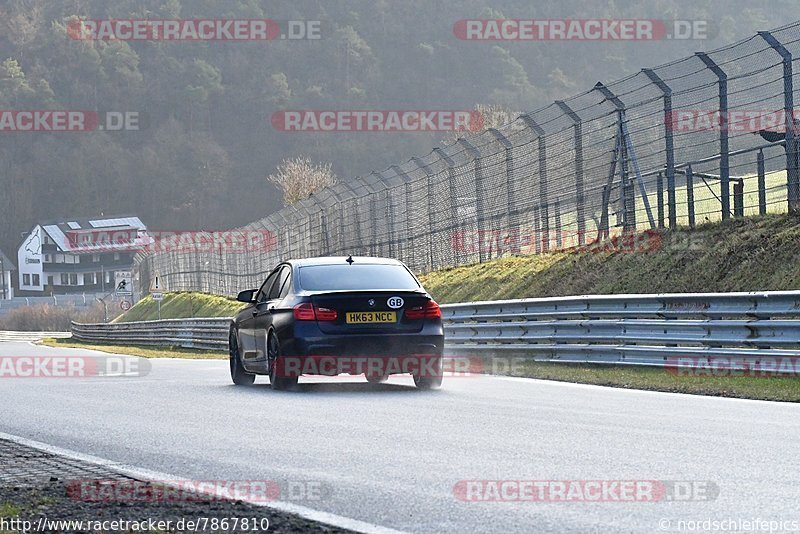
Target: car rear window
[356,277]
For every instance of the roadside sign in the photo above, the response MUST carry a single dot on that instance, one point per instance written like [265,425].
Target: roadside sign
[157,296]
[124,282]
[125,305]
[156,286]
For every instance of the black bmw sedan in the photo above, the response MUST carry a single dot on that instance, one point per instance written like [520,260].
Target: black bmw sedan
[337,316]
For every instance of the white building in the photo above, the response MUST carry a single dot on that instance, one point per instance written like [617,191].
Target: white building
[78,255]
[6,268]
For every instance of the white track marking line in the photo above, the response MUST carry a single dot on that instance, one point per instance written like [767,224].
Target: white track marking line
[148,475]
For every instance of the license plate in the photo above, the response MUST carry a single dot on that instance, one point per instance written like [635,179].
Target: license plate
[370,317]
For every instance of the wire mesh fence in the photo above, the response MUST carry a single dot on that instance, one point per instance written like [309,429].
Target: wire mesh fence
[705,138]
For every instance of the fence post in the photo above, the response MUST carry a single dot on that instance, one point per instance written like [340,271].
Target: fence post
[792,171]
[690,195]
[407,250]
[660,198]
[429,173]
[579,194]
[762,184]
[738,198]
[390,217]
[479,187]
[510,193]
[451,180]
[628,188]
[669,147]
[372,214]
[557,221]
[543,194]
[724,156]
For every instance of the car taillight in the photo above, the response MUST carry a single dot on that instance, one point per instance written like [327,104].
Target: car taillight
[308,312]
[429,311]
[304,312]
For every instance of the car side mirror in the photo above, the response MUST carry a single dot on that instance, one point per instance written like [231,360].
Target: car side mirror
[246,296]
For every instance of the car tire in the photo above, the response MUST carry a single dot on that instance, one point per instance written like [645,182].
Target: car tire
[239,376]
[430,382]
[278,383]
[377,379]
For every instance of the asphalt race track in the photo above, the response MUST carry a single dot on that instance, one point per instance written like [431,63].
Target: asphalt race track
[390,455]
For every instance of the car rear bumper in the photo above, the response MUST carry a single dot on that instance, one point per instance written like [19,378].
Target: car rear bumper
[310,351]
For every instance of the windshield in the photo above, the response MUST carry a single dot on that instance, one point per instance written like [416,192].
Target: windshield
[356,277]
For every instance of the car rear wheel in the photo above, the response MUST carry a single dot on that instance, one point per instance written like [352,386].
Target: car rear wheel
[430,381]
[377,379]
[276,369]
[239,376]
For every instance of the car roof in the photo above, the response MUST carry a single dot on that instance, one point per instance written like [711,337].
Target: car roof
[342,260]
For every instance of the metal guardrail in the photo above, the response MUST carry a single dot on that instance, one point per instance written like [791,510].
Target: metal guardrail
[205,333]
[632,329]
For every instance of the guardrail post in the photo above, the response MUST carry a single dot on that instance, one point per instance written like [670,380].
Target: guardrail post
[479,189]
[792,156]
[690,195]
[579,192]
[724,155]
[669,145]
[510,192]
[762,184]
[543,193]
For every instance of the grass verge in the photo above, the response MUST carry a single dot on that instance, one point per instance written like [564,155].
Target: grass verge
[748,254]
[182,305]
[138,350]
[775,388]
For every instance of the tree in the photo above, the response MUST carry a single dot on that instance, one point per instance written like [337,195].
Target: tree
[298,178]
[484,117]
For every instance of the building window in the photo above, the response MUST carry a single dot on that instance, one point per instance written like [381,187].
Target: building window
[88,279]
[26,279]
[64,279]
[116,256]
[49,280]
[48,258]
[96,258]
[73,279]
[36,280]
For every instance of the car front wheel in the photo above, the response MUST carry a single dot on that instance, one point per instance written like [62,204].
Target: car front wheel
[239,376]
